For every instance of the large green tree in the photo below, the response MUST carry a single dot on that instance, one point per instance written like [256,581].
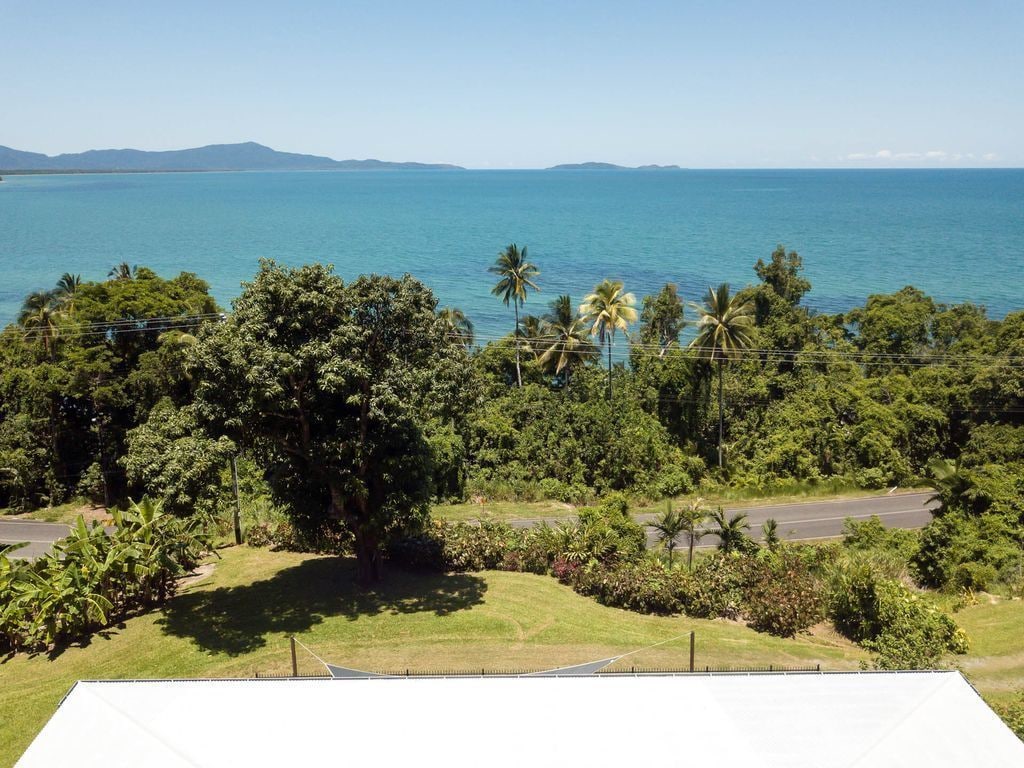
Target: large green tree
[331,385]
[607,310]
[516,276]
[723,332]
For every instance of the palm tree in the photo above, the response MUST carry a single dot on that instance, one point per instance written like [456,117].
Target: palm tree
[532,330]
[122,271]
[954,486]
[40,315]
[516,275]
[457,325]
[694,514]
[567,343]
[67,290]
[731,532]
[724,330]
[608,310]
[770,531]
[668,527]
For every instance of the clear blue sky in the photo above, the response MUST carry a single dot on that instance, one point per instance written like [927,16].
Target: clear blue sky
[526,84]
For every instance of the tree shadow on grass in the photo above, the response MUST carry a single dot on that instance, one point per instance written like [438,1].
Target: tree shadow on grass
[237,620]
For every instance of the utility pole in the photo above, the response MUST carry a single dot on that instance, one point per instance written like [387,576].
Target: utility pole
[238,504]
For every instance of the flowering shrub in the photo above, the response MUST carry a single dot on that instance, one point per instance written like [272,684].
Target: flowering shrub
[784,597]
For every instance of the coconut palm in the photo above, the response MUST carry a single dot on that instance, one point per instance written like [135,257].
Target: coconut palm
[724,330]
[567,345]
[731,532]
[41,315]
[532,330]
[668,527]
[67,290]
[457,325]
[122,271]
[516,277]
[607,310]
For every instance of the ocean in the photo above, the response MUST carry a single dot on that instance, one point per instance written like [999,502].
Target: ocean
[956,234]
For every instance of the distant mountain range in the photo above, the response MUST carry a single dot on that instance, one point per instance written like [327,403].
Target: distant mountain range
[249,156]
[611,167]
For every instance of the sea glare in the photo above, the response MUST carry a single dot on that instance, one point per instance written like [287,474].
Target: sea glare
[957,234]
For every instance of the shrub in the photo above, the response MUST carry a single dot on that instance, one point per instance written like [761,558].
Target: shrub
[715,587]
[987,545]
[674,480]
[645,586]
[784,597]
[1013,714]
[93,578]
[903,629]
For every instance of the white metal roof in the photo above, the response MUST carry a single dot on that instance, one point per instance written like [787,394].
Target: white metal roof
[932,719]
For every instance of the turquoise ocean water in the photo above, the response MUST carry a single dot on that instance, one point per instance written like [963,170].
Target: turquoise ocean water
[959,235]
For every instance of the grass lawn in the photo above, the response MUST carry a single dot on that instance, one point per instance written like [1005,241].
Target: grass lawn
[237,621]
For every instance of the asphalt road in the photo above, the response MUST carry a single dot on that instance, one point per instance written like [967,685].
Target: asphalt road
[817,519]
[806,520]
[38,535]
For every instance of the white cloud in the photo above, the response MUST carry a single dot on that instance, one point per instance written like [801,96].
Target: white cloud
[929,157]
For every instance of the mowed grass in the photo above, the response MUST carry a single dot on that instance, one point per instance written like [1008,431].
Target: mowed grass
[995,663]
[236,622]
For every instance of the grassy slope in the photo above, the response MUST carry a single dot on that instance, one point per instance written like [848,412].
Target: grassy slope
[237,621]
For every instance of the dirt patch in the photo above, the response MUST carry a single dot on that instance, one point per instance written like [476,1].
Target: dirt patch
[196,576]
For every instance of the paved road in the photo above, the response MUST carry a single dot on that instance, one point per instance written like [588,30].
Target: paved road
[806,520]
[819,519]
[38,535]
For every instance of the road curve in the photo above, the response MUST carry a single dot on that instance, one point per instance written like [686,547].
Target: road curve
[817,519]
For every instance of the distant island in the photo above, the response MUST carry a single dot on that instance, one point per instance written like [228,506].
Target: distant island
[610,167]
[248,156]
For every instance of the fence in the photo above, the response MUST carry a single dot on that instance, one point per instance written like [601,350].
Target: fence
[632,670]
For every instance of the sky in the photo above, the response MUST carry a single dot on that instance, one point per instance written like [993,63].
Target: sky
[523,84]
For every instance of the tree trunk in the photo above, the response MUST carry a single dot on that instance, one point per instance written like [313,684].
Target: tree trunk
[368,557]
[721,415]
[689,559]
[515,339]
[609,367]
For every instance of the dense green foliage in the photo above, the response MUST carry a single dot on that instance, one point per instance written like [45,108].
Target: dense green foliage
[116,388]
[94,577]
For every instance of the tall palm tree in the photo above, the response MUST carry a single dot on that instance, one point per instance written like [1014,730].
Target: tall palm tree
[457,325]
[567,344]
[608,309]
[122,271]
[724,330]
[731,532]
[516,276]
[67,290]
[694,516]
[668,527]
[41,315]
